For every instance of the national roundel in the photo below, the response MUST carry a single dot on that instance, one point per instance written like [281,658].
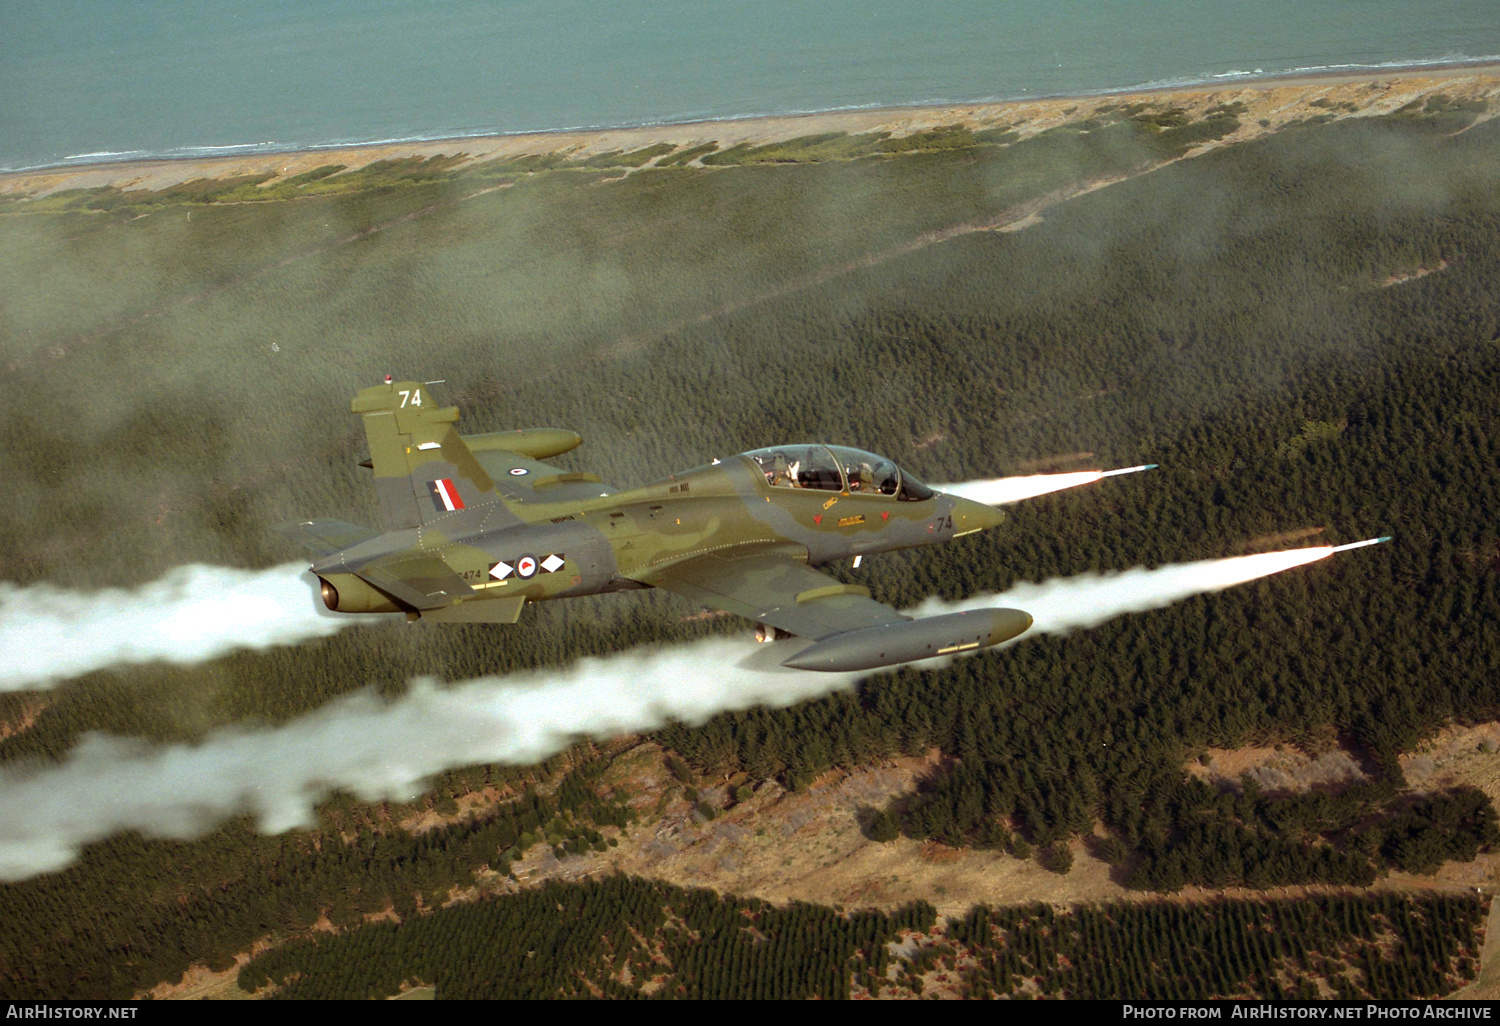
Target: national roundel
[526,566]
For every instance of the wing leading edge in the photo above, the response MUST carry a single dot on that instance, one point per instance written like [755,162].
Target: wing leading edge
[522,479]
[777,588]
[850,631]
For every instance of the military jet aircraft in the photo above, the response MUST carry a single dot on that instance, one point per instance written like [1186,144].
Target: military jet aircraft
[477,526]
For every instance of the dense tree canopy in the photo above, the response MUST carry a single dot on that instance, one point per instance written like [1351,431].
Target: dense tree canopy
[626,937]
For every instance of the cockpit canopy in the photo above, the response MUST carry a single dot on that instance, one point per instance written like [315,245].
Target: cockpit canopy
[834,468]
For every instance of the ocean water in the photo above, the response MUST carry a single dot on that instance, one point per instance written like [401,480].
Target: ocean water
[83,81]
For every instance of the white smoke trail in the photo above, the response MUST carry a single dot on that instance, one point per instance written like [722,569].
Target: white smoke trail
[1067,604]
[1001,490]
[193,614]
[377,750]
[373,749]
[196,613]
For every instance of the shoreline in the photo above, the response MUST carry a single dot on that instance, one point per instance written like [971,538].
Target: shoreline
[1036,114]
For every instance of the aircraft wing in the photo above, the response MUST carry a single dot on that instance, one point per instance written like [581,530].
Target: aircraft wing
[325,537]
[777,588]
[522,479]
[417,579]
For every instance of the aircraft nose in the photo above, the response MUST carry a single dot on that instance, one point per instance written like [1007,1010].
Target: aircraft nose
[969,516]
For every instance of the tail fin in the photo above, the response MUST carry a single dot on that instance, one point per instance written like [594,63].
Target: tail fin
[423,469]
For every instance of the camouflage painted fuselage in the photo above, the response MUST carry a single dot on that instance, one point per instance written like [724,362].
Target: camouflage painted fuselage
[477,527]
[619,541]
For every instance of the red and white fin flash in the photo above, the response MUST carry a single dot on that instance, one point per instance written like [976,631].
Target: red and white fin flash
[446,495]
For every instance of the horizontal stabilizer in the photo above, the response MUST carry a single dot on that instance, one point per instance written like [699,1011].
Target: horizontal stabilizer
[421,581]
[325,537]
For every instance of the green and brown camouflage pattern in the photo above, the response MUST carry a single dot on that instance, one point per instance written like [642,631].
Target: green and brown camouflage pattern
[459,511]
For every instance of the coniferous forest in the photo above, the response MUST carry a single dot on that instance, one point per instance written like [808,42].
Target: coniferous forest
[1302,329]
[626,937]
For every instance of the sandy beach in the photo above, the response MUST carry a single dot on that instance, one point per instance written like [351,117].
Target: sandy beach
[1270,103]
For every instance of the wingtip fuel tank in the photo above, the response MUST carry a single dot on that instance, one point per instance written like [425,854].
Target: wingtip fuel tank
[889,644]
